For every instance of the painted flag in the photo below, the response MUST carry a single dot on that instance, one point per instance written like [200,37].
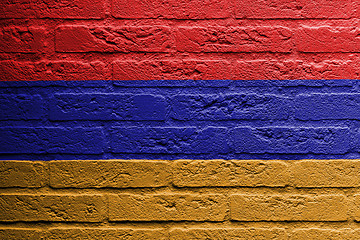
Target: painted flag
[164,119]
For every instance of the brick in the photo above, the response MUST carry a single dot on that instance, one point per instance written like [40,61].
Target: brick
[264,69]
[320,234]
[17,9]
[357,207]
[21,233]
[300,9]
[51,70]
[234,39]
[125,107]
[21,107]
[327,106]
[55,208]
[109,173]
[22,174]
[22,39]
[229,107]
[226,173]
[106,233]
[76,9]
[288,208]
[172,70]
[327,39]
[167,207]
[168,140]
[51,140]
[329,69]
[172,9]
[321,140]
[110,39]
[228,233]
[292,70]
[325,173]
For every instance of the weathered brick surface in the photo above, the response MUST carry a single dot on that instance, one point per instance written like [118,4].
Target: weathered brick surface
[24,107]
[318,234]
[167,207]
[116,173]
[55,208]
[107,107]
[291,140]
[327,39]
[298,69]
[325,173]
[52,70]
[21,39]
[22,174]
[229,107]
[75,38]
[106,233]
[76,9]
[51,140]
[172,69]
[18,233]
[327,106]
[228,233]
[198,9]
[300,9]
[234,39]
[168,140]
[215,173]
[288,208]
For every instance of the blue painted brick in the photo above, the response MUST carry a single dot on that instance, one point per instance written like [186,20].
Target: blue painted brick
[42,140]
[188,140]
[291,140]
[20,107]
[107,107]
[327,106]
[230,107]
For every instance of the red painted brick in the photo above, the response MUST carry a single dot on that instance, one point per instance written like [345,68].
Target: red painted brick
[16,9]
[299,9]
[111,39]
[295,69]
[172,9]
[234,39]
[171,69]
[22,39]
[51,70]
[71,9]
[328,39]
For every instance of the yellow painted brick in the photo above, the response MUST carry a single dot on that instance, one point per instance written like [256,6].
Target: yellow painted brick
[109,173]
[203,173]
[22,174]
[288,208]
[167,207]
[229,234]
[21,234]
[321,234]
[357,207]
[106,233]
[80,208]
[325,173]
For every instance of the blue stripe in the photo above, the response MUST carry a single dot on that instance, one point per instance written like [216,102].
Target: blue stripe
[293,119]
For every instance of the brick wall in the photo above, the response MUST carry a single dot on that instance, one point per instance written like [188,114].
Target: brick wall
[222,39]
[182,199]
[59,140]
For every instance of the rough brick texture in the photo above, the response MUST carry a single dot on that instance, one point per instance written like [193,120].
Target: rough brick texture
[187,39]
[212,199]
[174,119]
[48,112]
